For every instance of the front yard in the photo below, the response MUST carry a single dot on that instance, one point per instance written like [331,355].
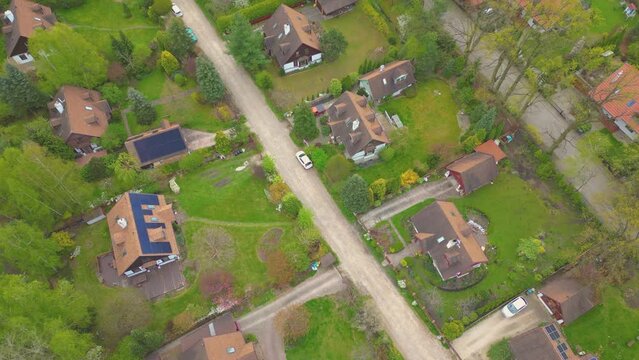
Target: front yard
[364,41]
[611,17]
[607,329]
[507,273]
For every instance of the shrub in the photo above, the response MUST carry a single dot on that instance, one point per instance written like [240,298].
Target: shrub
[216,286]
[388,153]
[530,248]
[349,81]
[378,188]
[180,80]
[222,142]
[264,80]
[333,44]
[393,186]
[255,11]
[116,73]
[142,108]
[112,93]
[338,168]
[161,7]
[319,157]
[209,81]
[355,194]
[114,137]
[63,239]
[277,191]
[453,329]
[377,19]
[168,62]
[291,205]
[97,169]
[408,178]
[304,125]
[335,87]
[305,219]
[269,167]
[292,323]
[279,268]
[192,161]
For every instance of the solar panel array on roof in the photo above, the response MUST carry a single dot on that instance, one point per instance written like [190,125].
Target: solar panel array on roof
[158,146]
[552,332]
[148,247]
[562,350]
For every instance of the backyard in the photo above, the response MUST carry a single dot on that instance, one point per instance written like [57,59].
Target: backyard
[611,17]
[364,41]
[507,273]
[616,325]
[330,334]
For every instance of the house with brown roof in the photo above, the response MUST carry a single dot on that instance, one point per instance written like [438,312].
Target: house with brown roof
[491,147]
[618,96]
[158,146]
[473,171]
[388,80]
[567,298]
[20,22]
[79,116]
[290,39]
[231,346]
[545,342]
[441,231]
[142,236]
[334,7]
[354,124]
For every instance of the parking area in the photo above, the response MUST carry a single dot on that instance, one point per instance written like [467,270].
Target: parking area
[476,341]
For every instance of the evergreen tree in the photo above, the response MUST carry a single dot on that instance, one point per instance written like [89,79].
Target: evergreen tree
[123,49]
[211,86]
[168,62]
[19,93]
[355,194]
[178,42]
[142,108]
[245,44]
[304,126]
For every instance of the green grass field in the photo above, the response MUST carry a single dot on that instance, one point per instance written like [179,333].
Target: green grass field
[611,17]
[363,38]
[515,211]
[607,328]
[330,335]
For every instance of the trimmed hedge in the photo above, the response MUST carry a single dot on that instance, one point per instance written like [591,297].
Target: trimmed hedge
[376,17]
[254,12]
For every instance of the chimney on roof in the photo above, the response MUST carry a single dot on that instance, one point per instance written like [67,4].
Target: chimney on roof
[370,117]
[287,29]
[307,28]
[86,95]
[121,222]
[381,68]
[92,119]
[377,130]
[361,101]
[452,243]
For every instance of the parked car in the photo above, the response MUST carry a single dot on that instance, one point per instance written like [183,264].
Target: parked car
[239,151]
[304,160]
[319,110]
[191,34]
[514,307]
[176,10]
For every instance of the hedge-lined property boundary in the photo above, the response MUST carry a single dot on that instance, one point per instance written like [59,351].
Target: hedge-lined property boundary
[255,13]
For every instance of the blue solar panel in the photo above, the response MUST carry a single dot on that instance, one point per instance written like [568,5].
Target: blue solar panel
[631,102]
[552,332]
[158,146]
[562,350]
[148,247]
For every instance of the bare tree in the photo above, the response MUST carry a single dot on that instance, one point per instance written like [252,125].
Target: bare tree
[292,323]
[214,247]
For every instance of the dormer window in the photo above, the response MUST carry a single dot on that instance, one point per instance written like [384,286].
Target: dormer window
[400,78]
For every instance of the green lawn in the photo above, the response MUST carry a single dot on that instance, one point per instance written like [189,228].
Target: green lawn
[431,122]
[607,328]
[330,335]
[611,14]
[515,211]
[363,38]
[156,85]
[97,19]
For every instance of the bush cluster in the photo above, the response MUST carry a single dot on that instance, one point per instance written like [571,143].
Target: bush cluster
[254,12]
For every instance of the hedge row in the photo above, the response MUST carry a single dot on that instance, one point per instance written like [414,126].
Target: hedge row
[254,12]
[376,17]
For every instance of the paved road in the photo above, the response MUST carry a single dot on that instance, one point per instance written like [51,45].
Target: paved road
[408,332]
[476,341]
[260,321]
[591,178]
[441,189]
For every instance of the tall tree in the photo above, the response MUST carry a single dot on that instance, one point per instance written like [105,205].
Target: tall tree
[64,57]
[211,86]
[144,112]
[126,170]
[168,62]
[26,249]
[245,44]
[304,125]
[333,44]
[123,49]
[17,91]
[178,42]
[355,194]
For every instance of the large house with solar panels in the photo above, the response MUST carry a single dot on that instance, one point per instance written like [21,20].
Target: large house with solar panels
[618,96]
[157,146]
[545,342]
[141,233]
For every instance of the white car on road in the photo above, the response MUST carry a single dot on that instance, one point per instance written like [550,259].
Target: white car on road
[176,10]
[514,307]
[304,160]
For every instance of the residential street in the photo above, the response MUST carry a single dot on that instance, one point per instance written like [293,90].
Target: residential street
[409,334]
[476,341]
[440,189]
[589,176]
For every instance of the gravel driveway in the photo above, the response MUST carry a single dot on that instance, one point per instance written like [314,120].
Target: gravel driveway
[476,341]
[408,332]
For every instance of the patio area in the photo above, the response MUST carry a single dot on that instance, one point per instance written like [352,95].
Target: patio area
[156,282]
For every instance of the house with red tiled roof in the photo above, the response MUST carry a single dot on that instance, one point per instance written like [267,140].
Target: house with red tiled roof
[441,231]
[491,147]
[475,170]
[20,22]
[290,39]
[618,96]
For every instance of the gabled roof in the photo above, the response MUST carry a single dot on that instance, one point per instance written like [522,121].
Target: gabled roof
[285,31]
[141,227]
[619,95]
[440,225]
[354,123]
[27,17]
[330,6]
[158,144]
[83,112]
[545,342]
[490,147]
[476,170]
[382,81]
[574,298]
